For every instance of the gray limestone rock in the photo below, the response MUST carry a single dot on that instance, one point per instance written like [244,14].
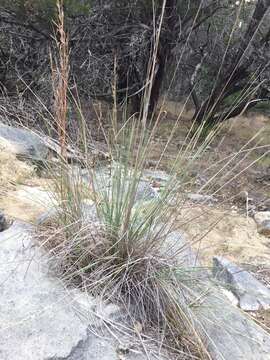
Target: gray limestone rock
[264,228]
[37,320]
[201,199]
[102,179]
[229,333]
[252,295]
[262,219]
[157,175]
[40,319]
[23,143]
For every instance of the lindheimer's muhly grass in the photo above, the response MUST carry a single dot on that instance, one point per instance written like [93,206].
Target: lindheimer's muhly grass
[112,235]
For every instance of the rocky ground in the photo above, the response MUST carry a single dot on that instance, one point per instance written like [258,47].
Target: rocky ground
[232,224]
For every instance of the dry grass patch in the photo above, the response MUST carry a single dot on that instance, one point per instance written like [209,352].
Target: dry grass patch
[26,203]
[13,171]
[22,193]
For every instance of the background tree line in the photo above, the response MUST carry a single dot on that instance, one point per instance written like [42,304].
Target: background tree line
[216,52]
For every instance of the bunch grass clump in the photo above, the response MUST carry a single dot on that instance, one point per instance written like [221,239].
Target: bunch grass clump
[114,241]
[115,245]
[110,236]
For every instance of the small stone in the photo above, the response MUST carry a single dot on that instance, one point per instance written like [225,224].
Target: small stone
[267,204]
[250,292]
[264,205]
[200,198]
[231,297]
[145,191]
[157,175]
[243,197]
[3,222]
[252,210]
[262,219]
[262,216]
[264,228]
[23,143]
[123,349]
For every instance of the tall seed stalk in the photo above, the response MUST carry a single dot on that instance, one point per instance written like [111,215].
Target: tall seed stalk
[60,68]
[60,76]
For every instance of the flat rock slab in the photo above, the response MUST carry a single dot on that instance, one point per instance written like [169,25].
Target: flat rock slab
[23,143]
[102,179]
[229,333]
[252,295]
[39,318]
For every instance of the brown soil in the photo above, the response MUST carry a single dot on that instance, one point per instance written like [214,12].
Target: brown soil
[217,232]
[226,228]
[13,171]
[248,137]
[25,203]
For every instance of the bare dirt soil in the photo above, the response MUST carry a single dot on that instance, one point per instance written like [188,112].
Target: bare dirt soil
[218,232]
[239,155]
[236,169]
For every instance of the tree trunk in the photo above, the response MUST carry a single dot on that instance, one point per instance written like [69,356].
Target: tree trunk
[239,72]
[164,51]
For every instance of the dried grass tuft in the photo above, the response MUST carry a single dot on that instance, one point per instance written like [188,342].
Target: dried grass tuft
[13,171]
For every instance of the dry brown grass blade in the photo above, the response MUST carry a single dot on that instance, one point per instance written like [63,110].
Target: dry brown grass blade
[60,77]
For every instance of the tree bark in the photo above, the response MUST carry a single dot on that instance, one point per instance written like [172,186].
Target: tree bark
[211,106]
